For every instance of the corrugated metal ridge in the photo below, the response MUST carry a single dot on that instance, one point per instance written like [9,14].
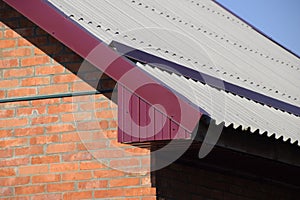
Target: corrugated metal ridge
[261,118]
[266,64]
[167,65]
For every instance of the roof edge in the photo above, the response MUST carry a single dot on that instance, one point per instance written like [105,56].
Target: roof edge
[118,67]
[256,29]
[220,84]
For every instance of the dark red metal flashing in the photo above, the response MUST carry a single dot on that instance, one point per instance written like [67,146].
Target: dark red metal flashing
[143,122]
[114,65]
[169,66]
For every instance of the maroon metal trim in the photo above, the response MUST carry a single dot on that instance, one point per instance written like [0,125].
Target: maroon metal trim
[114,65]
[169,66]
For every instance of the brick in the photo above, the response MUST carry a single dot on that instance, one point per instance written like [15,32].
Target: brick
[6,113]
[38,51]
[13,142]
[54,89]
[29,189]
[6,191]
[103,124]
[78,99]
[124,182]
[78,195]
[21,92]
[56,109]
[15,104]
[77,156]
[14,181]
[36,81]
[28,31]
[45,159]
[59,148]
[126,162]
[34,169]
[48,70]
[46,178]
[134,150]
[60,128]
[31,110]
[71,117]
[60,187]
[23,42]
[90,125]
[97,145]
[2,94]
[36,60]
[146,180]
[91,165]
[118,153]
[108,173]
[106,114]
[45,139]
[9,84]
[14,122]
[63,167]
[47,197]
[113,124]
[29,150]
[90,106]
[7,43]
[6,153]
[7,172]
[152,198]
[92,184]
[10,34]
[19,52]
[140,191]
[42,40]
[14,162]
[81,86]
[44,120]
[5,133]
[109,193]
[70,137]
[29,131]
[21,72]
[45,102]
[65,78]
[76,176]
[9,63]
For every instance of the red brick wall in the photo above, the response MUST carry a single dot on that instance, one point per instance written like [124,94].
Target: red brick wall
[49,147]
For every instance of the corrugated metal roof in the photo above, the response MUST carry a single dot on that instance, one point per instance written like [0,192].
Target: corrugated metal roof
[231,109]
[201,35]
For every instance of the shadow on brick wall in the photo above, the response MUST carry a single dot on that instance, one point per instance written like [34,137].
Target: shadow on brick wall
[56,50]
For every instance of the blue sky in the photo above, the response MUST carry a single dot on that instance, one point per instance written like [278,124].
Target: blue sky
[279,19]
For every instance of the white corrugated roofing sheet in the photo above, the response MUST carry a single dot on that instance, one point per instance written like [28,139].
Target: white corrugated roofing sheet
[231,109]
[201,35]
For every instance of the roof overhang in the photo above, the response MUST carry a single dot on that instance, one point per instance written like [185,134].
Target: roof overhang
[108,61]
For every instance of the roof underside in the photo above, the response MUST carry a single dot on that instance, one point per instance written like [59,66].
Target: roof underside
[202,36]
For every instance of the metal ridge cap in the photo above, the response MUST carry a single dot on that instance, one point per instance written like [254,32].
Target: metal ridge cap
[161,63]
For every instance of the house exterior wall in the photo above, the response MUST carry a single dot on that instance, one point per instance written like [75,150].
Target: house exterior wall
[50,148]
[193,178]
